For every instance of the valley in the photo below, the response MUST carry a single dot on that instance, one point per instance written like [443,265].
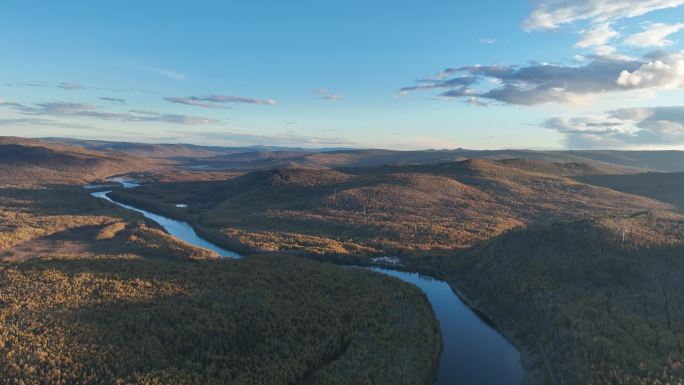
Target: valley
[564,261]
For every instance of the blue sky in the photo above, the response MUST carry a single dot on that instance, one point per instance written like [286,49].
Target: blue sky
[399,74]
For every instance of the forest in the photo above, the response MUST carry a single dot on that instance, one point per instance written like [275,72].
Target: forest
[583,277]
[603,297]
[260,320]
[95,294]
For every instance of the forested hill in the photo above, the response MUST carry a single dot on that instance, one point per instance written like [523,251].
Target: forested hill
[27,162]
[91,293]
[391,209]
[601,300]
[251,158]
[583,278]
[666,187]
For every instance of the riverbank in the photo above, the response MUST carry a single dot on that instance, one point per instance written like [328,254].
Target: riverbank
[535,363]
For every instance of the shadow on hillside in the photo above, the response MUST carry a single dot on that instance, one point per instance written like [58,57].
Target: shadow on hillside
[665,187]
[580,291]
[78,241]
[213,320]
[55,200]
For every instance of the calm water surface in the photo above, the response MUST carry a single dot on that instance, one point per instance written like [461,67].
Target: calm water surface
[474,353]
[178,229]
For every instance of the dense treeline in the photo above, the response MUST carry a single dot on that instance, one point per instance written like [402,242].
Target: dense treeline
[586,278]
[603,297]
[79,305]
[261,320]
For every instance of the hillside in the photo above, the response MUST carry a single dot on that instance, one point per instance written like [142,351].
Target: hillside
[375,158]
[566,168]
[258,157]
[600,300]
[260,321]
[408,209]
[171,150]
[27,162]
[91,293]
[147,150]
[665,187]
[582,278]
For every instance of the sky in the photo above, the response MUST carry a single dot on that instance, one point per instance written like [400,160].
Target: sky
[489,74]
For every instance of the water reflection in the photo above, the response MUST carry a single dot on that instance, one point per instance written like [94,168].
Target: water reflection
[474,352]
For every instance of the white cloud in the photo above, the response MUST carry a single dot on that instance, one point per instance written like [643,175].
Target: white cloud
[539,83]
[289,139]
[113,100]
[86,110]
[551,14]
[623,127]
[71,86]
[212,101]
[488,41]
[605,50]
[33,122]
[654,35]
[662,71]
[531,84]
[597,36]
[165,72]
[327,95]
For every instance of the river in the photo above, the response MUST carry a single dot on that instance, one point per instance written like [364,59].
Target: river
[474,352]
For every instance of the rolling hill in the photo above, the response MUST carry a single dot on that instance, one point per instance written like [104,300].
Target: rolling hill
[583,278]
[665,187]
[407,209]
[374,158]
[92,293]
[27,162]
[258,157]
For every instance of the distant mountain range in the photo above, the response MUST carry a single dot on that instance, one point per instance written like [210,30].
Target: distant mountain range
[216,157]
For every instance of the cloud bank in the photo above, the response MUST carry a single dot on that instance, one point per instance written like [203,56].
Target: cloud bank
[538,83]
[654,35]
[216,101]
[551,14]
[85,110]
[286,139]
[623,127]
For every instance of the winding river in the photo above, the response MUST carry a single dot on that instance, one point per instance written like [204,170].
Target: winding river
[474,352]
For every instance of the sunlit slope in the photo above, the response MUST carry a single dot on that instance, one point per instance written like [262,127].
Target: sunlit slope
[26,162]
[425,208]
